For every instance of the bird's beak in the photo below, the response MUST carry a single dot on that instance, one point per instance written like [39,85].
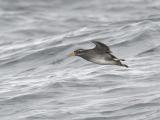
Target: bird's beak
[72,54]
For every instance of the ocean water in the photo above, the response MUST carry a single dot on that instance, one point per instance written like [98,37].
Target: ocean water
[38,81]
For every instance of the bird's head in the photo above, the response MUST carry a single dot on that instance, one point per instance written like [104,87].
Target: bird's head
[78,52]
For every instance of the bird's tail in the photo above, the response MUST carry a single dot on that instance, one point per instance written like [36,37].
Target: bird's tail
[121,64]
[124,65]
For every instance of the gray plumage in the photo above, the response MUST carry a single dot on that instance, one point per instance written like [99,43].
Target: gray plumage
[100,54]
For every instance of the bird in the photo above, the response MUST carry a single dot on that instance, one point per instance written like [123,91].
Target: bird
[100,54]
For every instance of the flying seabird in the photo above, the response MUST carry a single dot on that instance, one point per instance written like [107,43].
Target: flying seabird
[100,54]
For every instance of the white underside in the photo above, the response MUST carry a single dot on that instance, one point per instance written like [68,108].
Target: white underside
[103,61]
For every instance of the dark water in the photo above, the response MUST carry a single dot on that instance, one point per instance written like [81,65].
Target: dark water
[39,82]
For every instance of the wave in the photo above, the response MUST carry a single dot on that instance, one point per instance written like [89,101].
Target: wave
[45,47]
[137,43]
[150,52]
[143,40]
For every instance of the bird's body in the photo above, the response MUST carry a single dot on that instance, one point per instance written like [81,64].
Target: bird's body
[97,57]
[101,54]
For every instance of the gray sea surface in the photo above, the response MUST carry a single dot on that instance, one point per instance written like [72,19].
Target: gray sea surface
[38,81]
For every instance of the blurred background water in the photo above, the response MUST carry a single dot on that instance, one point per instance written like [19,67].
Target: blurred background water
[39,82]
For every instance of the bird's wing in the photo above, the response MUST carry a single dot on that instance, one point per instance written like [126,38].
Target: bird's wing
[115,58]
[101,46]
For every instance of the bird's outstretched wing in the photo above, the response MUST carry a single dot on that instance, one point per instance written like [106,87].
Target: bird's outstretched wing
[102,46]
[115,58]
